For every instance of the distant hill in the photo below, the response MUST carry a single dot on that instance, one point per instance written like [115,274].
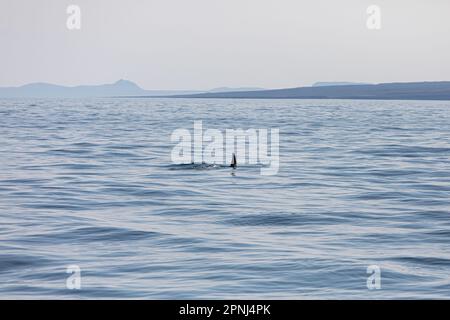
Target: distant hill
[383,91]
[329,84]
[333,90]
[121,88]
[227,89]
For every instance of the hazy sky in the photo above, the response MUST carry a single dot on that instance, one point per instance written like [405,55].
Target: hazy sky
[201,44]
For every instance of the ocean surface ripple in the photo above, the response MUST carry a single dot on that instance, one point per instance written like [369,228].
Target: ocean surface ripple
[91,183]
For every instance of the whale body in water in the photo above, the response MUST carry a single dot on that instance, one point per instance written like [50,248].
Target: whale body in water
[233,161]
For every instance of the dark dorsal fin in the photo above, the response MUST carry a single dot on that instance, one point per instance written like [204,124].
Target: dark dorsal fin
[233,161]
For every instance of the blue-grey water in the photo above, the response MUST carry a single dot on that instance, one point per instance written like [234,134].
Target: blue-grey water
[90,183]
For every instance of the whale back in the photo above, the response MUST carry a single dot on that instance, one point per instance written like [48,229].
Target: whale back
[233,161]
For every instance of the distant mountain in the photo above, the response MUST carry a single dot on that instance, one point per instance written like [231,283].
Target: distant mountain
[227,89]
[333,90]
[329,84]
[383,91]
[40,90]
[121,88]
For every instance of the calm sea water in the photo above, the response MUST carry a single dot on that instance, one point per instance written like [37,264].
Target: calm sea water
[90,183]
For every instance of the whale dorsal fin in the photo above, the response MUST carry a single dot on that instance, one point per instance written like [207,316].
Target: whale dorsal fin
[233,161]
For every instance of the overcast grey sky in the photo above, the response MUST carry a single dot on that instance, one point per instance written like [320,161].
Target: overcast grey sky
[201,44]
